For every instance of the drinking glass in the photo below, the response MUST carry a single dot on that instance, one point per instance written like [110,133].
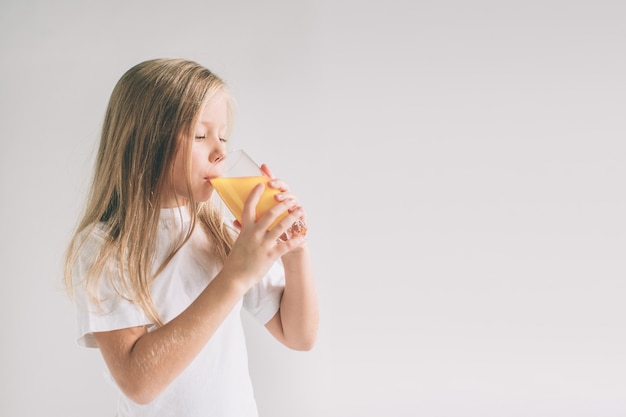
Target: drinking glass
[240,175]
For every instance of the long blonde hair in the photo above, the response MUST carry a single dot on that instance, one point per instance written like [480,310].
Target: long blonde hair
[152,105]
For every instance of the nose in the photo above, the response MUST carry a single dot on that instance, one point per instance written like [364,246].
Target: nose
[217,155]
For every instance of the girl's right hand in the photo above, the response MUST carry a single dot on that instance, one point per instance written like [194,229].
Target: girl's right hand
[257,248]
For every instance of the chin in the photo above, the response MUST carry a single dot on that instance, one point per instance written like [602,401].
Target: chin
[203,197]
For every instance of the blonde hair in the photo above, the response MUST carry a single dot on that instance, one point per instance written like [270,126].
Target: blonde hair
[153,104]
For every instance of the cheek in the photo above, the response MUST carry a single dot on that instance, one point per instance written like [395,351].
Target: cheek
[178,173]
[197,160]
[178,170]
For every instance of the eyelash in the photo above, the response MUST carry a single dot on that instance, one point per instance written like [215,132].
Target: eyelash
[204,137]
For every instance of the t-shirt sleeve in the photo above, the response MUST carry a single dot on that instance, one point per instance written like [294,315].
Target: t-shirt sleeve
[114,312]
[262,301]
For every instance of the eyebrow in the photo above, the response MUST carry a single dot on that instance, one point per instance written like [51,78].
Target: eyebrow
[221,130]
[206,123]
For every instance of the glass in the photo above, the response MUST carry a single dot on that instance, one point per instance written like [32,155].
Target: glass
[240,175]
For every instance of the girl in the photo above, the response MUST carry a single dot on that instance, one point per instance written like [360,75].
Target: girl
[159,278]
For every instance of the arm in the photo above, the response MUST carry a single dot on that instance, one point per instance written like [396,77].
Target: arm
[295,325]
[144,363]
[296,322]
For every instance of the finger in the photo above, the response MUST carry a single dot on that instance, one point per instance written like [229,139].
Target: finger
[266,170]
[278,184]
[287,245]
[285,223]
[248,213]
[284,196]
[302,211]
[270,216]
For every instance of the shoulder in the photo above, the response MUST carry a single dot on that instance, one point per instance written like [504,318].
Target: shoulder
[89,248]
[91,239]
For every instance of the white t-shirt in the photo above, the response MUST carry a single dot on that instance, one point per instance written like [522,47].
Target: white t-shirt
[217,382]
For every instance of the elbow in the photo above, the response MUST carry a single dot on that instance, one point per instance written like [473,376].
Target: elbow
[306,340]
[139,391]
[304,347]
[303,344]
[141,399]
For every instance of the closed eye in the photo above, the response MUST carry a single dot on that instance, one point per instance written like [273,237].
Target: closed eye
[201,137]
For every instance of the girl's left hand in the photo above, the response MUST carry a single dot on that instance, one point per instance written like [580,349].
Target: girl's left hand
[281,185]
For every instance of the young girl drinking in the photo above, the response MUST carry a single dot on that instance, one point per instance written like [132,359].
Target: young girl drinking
[158,276]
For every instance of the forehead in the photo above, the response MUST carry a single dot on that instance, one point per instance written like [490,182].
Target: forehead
[215,110]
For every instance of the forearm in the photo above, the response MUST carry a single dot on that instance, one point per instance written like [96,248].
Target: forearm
[144,367]
[299,313]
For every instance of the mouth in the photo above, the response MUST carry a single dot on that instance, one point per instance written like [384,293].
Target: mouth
[208,179]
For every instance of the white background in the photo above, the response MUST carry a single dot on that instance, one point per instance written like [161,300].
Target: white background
[462,163]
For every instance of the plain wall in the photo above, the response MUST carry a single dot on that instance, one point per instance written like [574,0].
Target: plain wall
[462,164]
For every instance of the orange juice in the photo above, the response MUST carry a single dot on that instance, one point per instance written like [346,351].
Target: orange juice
[235,191]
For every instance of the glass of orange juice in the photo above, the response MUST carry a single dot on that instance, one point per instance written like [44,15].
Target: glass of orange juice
[240,175]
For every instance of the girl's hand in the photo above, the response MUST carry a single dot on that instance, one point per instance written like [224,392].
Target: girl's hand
[256,247]
[285,194]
